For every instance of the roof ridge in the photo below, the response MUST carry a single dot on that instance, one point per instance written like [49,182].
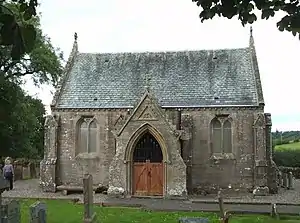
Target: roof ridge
[164,51]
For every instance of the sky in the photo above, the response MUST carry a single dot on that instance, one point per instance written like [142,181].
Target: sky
[174,25]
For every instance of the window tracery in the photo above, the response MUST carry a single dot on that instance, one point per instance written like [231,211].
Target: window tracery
[87,136]
[221,135]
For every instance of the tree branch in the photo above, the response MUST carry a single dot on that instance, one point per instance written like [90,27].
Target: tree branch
[10,65]
[19,74]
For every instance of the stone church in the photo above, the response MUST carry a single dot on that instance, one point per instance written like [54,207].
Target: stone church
[160,124]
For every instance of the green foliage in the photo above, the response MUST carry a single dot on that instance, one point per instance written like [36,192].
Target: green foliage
[42,62]
[15,33]
[287,155]
[281,142]
[247,11]
[289,158]
[21,116]
[21,122]
[280,138]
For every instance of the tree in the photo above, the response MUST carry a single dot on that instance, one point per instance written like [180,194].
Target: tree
[21,116]
[247,11]
[17,34]
[21,122]
[43,62]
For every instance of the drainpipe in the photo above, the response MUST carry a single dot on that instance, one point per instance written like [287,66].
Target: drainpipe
[178,127]
[254,156]
[178,122]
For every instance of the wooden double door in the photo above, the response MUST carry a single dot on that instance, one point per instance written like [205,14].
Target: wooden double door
[148,169]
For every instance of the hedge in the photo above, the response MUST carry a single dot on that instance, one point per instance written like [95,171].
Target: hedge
[287,158]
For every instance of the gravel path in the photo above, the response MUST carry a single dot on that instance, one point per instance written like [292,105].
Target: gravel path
[284,197]
[31,189]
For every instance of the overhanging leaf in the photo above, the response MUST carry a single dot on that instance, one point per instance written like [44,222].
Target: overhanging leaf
[6,18]
[17,51]
[8,28]
[28,13]
[28,33]
[23,7]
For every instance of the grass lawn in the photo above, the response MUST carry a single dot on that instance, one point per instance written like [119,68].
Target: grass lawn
[66,212]
[290,146]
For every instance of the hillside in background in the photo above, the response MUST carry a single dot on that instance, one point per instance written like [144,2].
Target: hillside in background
[287,137]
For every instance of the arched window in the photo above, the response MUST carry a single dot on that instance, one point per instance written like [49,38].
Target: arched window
[216,136]
[87,136]
[221,136]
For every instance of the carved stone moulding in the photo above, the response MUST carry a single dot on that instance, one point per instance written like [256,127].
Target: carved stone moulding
[55,109]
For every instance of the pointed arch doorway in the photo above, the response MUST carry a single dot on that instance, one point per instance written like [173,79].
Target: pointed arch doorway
[148,167]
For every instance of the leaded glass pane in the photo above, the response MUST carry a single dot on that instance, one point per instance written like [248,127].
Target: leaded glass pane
[82,138]
[92,137]
[216,136]
[227,137]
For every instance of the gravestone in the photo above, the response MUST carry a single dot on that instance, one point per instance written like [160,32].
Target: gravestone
[89,214]
[38,213]
[4,185]
[224,214]
[193,220]
[280,179]
[32,169]
[290,184]
[37,171]
[274,213]
[11,212]
[26,172]
[18,168]
[285,180]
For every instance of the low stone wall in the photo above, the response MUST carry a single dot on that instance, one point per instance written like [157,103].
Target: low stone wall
[294,170]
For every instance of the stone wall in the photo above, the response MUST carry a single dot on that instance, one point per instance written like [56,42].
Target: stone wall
[229,171]
[71,167]
[245,168]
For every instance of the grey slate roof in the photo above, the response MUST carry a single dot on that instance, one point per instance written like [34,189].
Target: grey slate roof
[178,79]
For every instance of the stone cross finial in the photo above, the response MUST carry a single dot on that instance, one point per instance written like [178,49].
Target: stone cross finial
[75,36]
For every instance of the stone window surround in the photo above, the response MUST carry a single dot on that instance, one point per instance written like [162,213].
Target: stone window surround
[86,155]
[221,156]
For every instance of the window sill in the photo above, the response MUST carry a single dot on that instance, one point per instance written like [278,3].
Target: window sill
[222,156]
[87,156]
